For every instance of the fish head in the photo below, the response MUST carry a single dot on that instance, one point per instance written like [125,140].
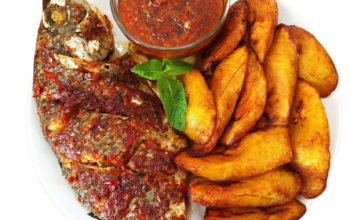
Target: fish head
[82,29]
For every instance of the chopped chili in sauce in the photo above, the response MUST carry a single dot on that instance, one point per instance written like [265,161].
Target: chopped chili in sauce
[169,23]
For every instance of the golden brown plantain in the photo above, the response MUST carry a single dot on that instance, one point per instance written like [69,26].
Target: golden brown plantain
[315,64]
[228,38]
[251,102]
[309,132]
[254,154]
[262,22]
[293,210]
[201,110]
[276,187]
[226,86]
[281,71]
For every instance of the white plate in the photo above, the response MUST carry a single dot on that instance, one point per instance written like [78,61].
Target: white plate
[49,172]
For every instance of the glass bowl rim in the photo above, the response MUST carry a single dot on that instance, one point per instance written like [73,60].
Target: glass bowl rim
[150,46]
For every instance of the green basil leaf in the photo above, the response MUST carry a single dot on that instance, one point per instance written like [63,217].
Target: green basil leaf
[172,94]
[166,65]
[166,61]
[179,67]
[151,70]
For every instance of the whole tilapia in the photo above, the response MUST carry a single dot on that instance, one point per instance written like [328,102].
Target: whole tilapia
[105,124]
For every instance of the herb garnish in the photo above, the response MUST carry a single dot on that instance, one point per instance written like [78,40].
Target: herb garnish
[172,92]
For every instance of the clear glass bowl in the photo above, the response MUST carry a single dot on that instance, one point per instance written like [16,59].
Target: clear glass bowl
[169,52]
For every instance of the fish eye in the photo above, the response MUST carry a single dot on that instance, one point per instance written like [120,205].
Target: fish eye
[55,17]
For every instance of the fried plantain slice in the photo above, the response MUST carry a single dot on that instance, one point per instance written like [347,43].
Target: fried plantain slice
[293,210]
[309,132]
[228,38]
[315,64]
[226,85]
[281,71]
[254,154]
[251,102]
[201,110]
[276,187]
[262,22]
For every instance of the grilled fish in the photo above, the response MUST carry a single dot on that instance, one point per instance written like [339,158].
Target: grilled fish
[106,125]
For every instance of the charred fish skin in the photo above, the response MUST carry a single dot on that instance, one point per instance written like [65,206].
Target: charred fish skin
[116,194]
[110,140]
[106,125]
[52,118]
[105,93]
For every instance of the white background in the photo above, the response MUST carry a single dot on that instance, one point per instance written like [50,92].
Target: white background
[49,173]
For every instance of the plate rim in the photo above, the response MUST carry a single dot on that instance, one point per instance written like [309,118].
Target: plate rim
[333,157]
